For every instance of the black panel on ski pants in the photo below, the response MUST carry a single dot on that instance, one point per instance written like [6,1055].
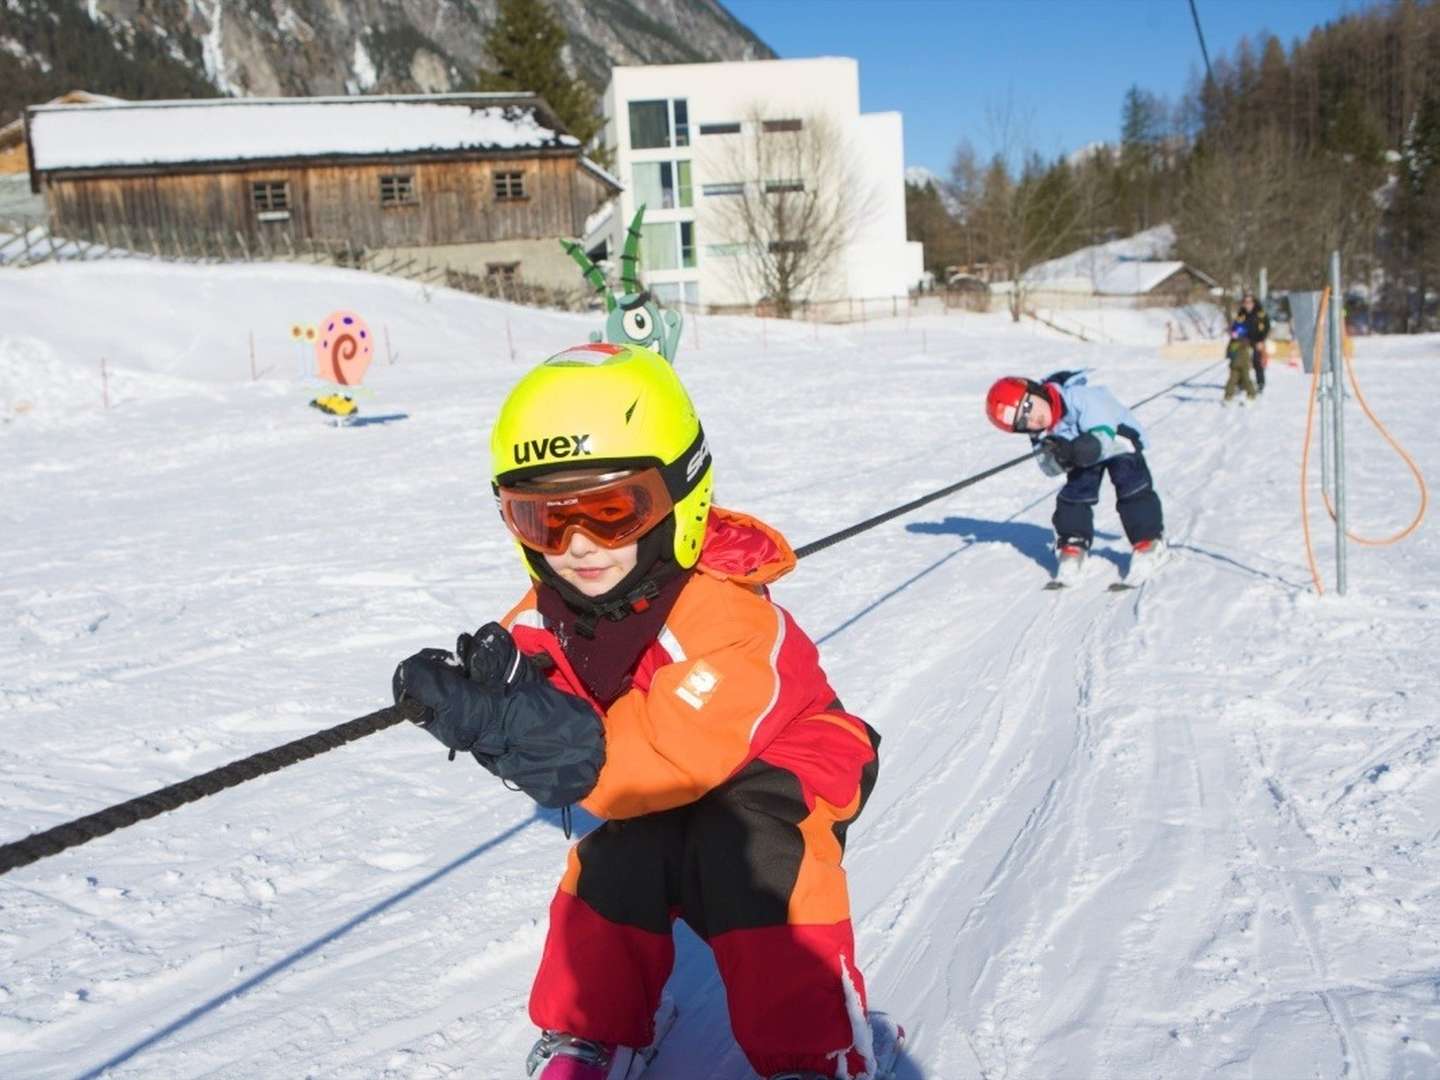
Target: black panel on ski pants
[726,862]
[1135,499]
[1257,361]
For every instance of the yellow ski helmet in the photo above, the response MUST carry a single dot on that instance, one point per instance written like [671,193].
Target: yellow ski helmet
[609,405]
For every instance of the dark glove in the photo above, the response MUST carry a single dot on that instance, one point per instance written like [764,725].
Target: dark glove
[1061,449]
[545,742]
[491,658]
[457,711]
[1077,453]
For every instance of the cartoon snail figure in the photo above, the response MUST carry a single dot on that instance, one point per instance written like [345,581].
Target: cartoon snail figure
[343,351]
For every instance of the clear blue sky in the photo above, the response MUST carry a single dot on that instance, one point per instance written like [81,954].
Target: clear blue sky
[1063,64]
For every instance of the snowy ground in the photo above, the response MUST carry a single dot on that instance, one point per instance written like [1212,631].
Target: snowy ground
[1184,832]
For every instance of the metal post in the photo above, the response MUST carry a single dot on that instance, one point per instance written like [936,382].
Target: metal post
[1326,413]
[1337,390]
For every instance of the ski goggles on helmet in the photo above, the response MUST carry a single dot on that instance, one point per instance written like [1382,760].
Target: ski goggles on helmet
[1022,413]
[613,509]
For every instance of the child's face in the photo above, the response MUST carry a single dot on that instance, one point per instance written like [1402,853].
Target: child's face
[592,569]
[1036,416]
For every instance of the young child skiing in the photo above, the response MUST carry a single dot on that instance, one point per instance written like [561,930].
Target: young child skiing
[1084,432]
[647,677]
[1238,352]
[1257,329]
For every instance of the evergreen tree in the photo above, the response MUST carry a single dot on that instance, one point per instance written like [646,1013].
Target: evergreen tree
[525,46]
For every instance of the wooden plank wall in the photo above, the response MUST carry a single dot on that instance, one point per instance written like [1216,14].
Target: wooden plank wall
[337,202]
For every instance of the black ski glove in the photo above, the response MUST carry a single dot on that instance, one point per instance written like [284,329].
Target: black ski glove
[545,742]
[454,713]
[491,658]
[1061,449]
[1077,453]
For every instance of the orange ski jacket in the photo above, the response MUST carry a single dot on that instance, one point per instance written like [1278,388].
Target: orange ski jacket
[730,678]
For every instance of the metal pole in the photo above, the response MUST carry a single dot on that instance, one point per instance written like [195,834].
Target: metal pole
[1337,390]
[1264,290]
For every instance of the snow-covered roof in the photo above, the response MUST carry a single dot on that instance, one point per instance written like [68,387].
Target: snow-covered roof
[1134,277]
[130,134]
[1129,266]
[1094,261]
[607,177]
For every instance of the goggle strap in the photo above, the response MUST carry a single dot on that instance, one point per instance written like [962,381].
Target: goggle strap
[683,474]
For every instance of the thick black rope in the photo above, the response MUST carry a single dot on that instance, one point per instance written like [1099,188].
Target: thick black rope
[82,830]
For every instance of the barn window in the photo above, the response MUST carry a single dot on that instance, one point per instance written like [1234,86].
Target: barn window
[270,195]
[509,185]
[397,191]
[781,125]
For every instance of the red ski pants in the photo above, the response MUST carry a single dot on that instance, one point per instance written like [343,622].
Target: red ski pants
[754,868]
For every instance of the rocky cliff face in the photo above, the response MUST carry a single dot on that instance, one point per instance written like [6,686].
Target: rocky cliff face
[294,47]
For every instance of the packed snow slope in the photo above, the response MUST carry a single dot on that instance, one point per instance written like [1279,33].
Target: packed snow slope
[1185,832]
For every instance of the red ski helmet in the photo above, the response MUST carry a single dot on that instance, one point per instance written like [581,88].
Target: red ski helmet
[1002,403]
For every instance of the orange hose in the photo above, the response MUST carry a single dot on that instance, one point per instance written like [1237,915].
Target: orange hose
[1414,469]
[1305,451]
[1305,457]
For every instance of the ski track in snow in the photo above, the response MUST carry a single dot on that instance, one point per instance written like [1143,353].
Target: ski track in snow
[1185,831]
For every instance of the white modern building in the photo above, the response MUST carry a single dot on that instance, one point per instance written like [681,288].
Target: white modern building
[681,136]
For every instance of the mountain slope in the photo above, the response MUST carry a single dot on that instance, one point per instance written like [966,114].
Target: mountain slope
[307,47]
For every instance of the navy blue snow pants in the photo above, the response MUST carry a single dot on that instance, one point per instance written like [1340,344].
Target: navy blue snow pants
[1135,499]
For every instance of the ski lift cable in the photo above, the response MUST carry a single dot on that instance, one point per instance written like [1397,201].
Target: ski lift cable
[81,830]
[1209,74]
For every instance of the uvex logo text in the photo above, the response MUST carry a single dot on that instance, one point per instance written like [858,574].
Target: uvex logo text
[557,446]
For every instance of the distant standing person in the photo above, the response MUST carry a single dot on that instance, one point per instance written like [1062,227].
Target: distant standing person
[1257,329]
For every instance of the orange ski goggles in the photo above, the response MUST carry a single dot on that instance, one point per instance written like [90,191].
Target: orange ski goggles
[612,509]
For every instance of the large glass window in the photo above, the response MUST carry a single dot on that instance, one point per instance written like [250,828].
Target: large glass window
[661,123]
[667,245]
[649,124]
[658,249]
[662,185]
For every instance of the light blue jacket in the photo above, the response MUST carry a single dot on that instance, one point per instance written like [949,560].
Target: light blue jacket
[1091,410]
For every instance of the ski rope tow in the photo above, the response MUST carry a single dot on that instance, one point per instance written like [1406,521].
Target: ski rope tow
[1305,458]
[81,830]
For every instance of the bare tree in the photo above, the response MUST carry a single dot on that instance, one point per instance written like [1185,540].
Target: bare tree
[1020,211]
[798,200]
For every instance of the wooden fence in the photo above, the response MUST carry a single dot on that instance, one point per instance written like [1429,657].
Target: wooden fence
[28,243]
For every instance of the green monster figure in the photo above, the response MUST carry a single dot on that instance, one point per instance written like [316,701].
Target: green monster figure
[633,317]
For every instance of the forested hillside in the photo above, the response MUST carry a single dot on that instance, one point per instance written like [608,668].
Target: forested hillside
[1286,152]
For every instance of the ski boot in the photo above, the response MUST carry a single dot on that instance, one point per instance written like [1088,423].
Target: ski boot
[1146,555]
[569,1057]
[1072,560]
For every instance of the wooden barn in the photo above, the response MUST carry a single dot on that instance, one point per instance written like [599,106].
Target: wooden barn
[493,179]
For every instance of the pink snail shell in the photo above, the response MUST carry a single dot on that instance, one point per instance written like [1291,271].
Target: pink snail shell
[343,348]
